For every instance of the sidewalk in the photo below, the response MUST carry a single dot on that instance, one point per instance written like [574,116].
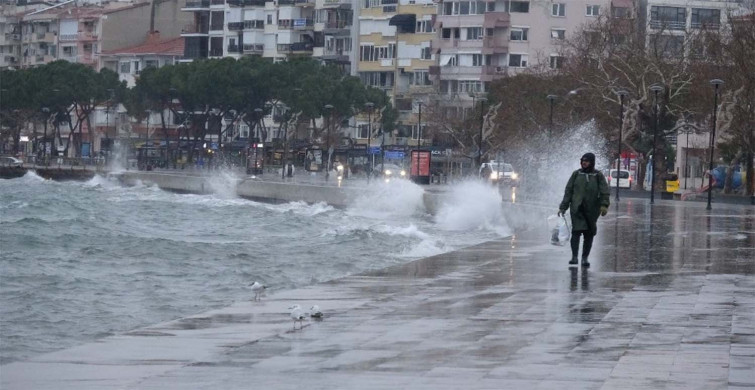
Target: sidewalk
[669,303]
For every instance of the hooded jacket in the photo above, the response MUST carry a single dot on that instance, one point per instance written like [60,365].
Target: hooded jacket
[585,192]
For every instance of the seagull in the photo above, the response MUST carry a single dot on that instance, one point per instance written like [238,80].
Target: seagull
[257,289]
[297,315]
[315,312]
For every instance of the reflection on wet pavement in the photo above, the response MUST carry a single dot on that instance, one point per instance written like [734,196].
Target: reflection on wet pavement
[669,302]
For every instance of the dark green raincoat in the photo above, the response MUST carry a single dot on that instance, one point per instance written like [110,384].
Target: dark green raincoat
[585,193]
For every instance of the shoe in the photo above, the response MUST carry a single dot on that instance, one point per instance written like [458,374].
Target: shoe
[585,263]
[573,261]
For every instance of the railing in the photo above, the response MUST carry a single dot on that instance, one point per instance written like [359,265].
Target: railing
[254,48]
[217,2]
[706,25]
[234,49]
[246,3]
[292,47]
[295,24]
[87,58]
[68,37]
[254,24]
[87,36]
[389,8]
[216,52]
[234,26]
[337,25]
[667,24]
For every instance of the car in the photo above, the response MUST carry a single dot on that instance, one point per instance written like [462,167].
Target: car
[625,180]
[10,162]
[502,173]
[389,171]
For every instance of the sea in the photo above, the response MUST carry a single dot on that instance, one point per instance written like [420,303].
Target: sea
[85,260]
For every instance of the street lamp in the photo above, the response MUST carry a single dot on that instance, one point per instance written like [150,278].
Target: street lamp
[371,157]
[111,93]
[46,111]
[715,83]
[621,94]
[328,110]
[655,88]
[482,100]
[551,99]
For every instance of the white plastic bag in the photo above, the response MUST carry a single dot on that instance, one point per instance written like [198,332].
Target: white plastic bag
[560,231]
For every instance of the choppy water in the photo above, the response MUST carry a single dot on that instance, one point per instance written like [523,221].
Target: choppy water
[79,261]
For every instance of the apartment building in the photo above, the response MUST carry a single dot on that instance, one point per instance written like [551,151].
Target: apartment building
[154,52]
[669,24]
[480,41]
[231,28]
[10,37]
[395,55]
[335,33]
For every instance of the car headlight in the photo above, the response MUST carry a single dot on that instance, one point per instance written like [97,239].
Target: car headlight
[387,172]
[494,175]
[514,176]
[403,173]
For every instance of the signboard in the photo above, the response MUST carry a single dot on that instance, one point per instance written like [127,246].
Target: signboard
[394,155]
[420,166]
[300,22]
[374,150]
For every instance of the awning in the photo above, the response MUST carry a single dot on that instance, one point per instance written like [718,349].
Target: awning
[405,23]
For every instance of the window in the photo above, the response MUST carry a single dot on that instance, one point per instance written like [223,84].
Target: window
[518,60]
[470,86]
[557,62]
[421,77]
[519,33]
[269,19]
[425,54]
[558,9]
[425,26]
[558,33]
[474,33]
[125,67]
[593,10]
[367,53]
[476,59]
[519,7]
[673,18]
[363,130]
[152,63]
[620,12]
[453,60]
[702,17]
[448,8]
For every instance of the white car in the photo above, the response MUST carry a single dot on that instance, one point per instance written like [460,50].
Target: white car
[10,162]
[502,173]
[625,180]
[389,171]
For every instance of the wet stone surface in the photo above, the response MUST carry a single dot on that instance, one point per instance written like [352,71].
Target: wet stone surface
[669,303]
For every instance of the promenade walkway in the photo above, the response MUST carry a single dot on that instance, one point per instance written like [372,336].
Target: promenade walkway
[669,303]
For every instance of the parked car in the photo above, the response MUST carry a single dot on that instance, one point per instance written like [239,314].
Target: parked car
[502,173]
[625,180]
[10,162]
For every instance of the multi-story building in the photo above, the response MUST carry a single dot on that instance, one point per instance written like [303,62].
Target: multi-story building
[480,41]
[273,29]
[10,37]
[671,24]
[154,52]
[39,37]
[394,54]
[335,33]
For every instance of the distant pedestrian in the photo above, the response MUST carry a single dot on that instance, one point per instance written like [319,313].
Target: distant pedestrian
[289,169]
[485,172]
[587,197]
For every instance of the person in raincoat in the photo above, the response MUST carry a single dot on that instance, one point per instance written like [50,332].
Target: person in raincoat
[587,197]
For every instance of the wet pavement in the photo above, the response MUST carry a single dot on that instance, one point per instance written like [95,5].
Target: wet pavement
[669,303]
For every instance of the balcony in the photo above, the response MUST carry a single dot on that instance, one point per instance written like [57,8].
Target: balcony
[47,37]
[336,27]
[483,73]
[299,47]
[295,24]
[497,19]
[336,4]
[193,29]
[87,36]
[254,48]
[336,55]
[217,2]
[246,3]
[254,24]
[12,38]
[713,25]
[667,25]
[216,52]
[88,59]
[234,49]
[196,5]
[235,26]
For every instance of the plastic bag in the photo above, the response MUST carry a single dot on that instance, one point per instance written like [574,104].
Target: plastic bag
[560,231]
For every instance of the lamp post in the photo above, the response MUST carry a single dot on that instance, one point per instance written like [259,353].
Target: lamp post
[655,88]
[686,156]
[621,94]
[419,127]
[284,112]
[482,100]
[328,110]
[715,83]
[371,157]
[111,93]
[46,112]
[551,99]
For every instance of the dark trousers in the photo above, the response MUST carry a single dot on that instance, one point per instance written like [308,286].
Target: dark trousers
[575,243]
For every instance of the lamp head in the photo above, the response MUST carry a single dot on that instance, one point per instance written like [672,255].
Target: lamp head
[622,92]
[328,107]
[716,82]
[369,105]
[553,97]
[656,88]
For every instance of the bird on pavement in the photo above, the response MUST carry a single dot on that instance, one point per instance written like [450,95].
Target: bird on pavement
[315,312]
[257,289]
[297,315]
